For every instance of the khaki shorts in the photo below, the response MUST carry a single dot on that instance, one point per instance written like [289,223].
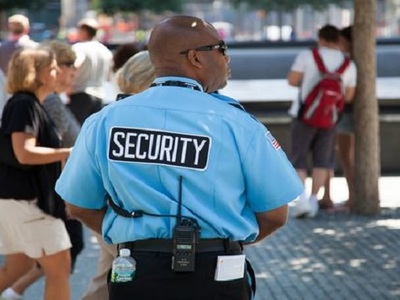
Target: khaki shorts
[24,228]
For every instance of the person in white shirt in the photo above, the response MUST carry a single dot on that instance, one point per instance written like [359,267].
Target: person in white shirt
[304,74]
[93,63]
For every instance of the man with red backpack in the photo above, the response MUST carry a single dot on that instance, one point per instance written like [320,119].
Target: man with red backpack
[326,80]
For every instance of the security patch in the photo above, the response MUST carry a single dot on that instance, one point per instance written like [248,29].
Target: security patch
[159,147]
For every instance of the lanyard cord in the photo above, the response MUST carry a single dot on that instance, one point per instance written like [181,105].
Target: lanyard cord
[177,83]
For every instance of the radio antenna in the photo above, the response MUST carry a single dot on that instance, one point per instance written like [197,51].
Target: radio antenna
[179,213]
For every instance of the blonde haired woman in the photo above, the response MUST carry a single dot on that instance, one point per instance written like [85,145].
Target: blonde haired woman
[137,74]
[30,226]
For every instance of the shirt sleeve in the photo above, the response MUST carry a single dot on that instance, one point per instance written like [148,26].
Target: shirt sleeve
[80,55]
[350,76]
[299,64]
[80,182]
[22,116]
[270,178]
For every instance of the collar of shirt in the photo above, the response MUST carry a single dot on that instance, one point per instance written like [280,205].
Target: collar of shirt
[229,100]
[189,81]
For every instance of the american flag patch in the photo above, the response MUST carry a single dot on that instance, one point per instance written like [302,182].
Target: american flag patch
[272,140]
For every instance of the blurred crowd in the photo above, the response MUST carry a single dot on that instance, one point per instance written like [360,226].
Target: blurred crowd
[47,91]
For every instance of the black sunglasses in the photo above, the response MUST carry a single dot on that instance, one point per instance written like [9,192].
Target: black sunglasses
[67,64]
[221,47]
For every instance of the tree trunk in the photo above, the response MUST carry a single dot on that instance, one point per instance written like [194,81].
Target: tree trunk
[367,150]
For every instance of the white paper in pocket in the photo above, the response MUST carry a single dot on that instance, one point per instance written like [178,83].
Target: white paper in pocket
[230,267]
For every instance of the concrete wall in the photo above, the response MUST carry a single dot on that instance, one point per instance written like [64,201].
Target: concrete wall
[274,63]
[277,121]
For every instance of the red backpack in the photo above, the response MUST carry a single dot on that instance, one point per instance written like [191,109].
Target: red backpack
[324,104]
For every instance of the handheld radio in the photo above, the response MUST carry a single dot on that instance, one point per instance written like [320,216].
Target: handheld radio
[185,237]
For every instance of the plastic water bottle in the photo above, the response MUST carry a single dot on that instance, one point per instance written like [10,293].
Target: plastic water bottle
[123,267]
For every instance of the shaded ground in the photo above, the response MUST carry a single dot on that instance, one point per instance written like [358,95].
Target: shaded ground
[334,256]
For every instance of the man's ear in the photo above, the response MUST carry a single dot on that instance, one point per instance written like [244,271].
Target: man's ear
[194,58]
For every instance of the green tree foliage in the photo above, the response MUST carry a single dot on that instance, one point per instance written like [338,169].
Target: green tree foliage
[288,5]
[6,5]
[113,6]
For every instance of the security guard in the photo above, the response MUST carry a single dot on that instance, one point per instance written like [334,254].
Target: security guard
[181,177]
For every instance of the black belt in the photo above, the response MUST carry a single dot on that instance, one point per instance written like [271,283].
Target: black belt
[166,246]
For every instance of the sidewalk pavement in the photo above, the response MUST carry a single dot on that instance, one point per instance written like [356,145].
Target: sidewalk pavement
[333,256]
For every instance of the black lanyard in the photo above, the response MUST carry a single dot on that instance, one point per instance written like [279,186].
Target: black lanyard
[190,86]
[177,83]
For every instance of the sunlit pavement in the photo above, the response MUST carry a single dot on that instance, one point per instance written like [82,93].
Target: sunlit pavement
[333,256]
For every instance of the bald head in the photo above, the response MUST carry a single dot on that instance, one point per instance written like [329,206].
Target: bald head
[189,47]
[174,35]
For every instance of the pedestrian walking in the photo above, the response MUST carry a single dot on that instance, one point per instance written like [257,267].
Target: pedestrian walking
[94,63]
[31,226]
[68,127]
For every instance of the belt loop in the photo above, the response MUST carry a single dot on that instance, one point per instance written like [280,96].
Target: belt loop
[231,247]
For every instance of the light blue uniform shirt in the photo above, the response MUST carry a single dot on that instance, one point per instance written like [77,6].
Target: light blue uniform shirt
[137,148]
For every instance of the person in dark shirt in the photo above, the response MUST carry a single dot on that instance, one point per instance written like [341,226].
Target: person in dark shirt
[31,226]
[68,127]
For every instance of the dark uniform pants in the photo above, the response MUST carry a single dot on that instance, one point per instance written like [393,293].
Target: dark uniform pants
[155,280]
